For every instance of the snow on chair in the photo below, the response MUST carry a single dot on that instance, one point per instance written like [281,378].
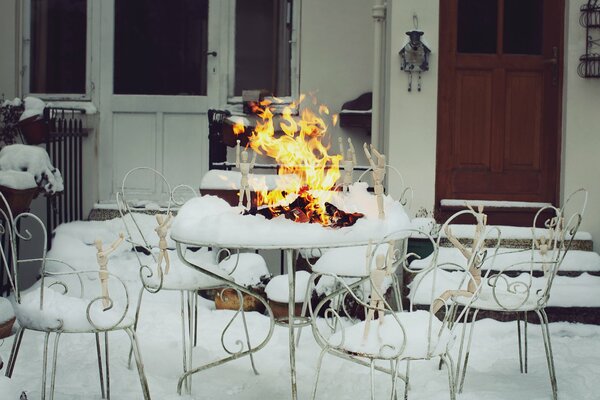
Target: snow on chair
[162,269]
[512,288]
[387,335]
[59,302]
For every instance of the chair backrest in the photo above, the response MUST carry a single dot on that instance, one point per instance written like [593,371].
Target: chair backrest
[138,219]
[427,329]
[406,195]
[56,277]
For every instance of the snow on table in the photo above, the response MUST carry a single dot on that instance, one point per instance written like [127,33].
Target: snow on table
[209,220]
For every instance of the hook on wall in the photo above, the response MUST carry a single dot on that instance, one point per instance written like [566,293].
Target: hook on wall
[416,21]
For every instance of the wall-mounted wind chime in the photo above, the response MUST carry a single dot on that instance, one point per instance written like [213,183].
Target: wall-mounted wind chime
[414,55]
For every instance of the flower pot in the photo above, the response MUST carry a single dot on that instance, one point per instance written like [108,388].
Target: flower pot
[6,328]
[280,310]
[228,299]
[34,129]
[18,200]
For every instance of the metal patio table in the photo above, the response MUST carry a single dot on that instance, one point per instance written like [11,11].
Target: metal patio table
[296,321]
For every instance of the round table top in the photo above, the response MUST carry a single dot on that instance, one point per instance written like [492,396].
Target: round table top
[210,221]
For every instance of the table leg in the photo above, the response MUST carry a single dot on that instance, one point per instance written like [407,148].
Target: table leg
[291,270]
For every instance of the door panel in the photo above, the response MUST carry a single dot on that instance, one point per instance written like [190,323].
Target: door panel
[499,100]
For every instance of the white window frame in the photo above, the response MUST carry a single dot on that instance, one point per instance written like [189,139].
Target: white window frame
[26,59]
[294,54]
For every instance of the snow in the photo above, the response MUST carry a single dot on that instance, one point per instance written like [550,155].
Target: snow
[575,260]
[209,220]
[508,232]
[6,310]
[386,339]
[87,106]
[493,203]
[34,160]
[217,179]
[348,261]
[278,288]
[14,103]
[493,372]
[19,180]
[33,107]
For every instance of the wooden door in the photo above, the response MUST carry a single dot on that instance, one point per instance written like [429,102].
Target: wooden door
[499,100]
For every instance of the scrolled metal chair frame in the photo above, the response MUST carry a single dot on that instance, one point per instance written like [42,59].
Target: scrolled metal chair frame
[189,302]
[561,232]
[50,279]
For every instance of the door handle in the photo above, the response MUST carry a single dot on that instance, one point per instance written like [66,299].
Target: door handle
[554,63]
[212,53]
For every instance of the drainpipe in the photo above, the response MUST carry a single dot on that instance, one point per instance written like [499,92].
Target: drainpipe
[379,14]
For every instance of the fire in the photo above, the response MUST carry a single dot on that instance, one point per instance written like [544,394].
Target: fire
[299,150]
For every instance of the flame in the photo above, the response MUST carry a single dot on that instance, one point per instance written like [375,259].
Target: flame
[299,150]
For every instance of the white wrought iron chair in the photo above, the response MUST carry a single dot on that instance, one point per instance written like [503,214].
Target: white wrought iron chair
[403,335]
[511,287]
[58,303]
[224,265]
[347,263]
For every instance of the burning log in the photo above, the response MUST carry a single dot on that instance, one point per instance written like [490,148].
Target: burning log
[305,210]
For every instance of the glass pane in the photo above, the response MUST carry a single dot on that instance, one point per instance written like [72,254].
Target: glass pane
[160,47]
[262,49]
[523,26]
[477,25]
[58,46]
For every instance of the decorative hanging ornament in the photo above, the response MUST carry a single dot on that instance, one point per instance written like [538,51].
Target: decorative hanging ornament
[415,57]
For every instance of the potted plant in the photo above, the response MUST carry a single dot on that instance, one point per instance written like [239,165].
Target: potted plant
[10,112]
[32,123]
[7,318]
[26,171]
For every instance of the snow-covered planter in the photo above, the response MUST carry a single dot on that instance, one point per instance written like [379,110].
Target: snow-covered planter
[277,291]
[32,124]
[7,317]
[24,172]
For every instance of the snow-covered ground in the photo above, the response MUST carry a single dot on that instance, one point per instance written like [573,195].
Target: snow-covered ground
[493,369]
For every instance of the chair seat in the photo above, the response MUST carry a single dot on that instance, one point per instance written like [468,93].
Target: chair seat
[250,268]
[387,340]
[72,311]
[347,261]
[501,300]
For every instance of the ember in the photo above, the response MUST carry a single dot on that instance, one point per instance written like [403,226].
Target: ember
[305,209]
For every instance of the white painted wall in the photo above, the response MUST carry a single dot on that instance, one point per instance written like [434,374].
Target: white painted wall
[8,27]
[412,119]
[581,140]
[413,116]
[336,57]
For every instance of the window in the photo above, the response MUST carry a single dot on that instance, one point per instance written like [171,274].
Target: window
[263,46]
[160,47]
[57,52]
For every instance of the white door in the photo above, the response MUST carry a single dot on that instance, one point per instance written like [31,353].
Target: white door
[159,76]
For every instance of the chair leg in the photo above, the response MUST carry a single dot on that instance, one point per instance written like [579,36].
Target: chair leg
[519,342]
[460,378]
[318,371]
[138,360]
[188,388]
[525,341]
[371,375]
[100,371]
[45,365]
[451,381]
[135,324]
[548,347]
[241,300]
[309,288]
[406,382]
[394,370]
[54,358]
[12,359]
[106,365]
